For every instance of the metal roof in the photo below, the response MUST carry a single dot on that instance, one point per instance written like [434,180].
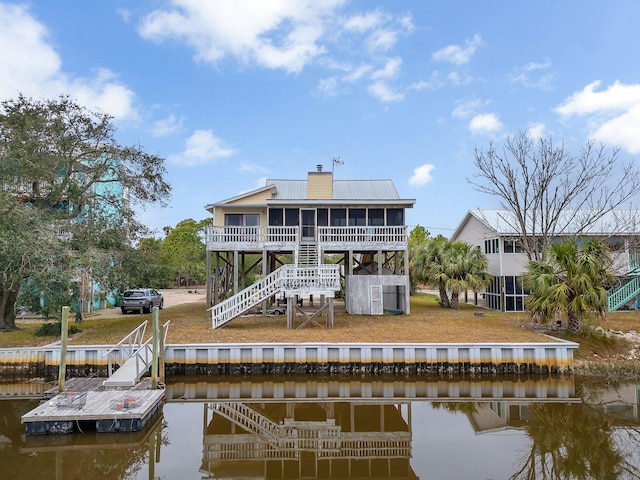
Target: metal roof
[618,221]
[342,189]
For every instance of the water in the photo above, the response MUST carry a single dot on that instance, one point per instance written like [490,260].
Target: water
[284,427]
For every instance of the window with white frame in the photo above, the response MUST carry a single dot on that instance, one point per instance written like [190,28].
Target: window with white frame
[492,246]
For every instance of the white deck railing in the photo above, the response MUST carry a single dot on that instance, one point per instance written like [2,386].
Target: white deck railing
[362,234]
[270,234]
[231,234]
[288,278]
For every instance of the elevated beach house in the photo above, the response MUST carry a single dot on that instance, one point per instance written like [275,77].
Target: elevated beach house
[309,241]
[493,231]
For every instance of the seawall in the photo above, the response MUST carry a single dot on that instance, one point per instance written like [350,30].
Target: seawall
[552,356]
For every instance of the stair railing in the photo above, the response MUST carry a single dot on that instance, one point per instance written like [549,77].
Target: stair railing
[287,278]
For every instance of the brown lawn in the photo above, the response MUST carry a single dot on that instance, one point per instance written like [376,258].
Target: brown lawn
[427,323]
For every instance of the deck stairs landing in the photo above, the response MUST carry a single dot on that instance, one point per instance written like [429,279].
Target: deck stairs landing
[292,279]
[620,295]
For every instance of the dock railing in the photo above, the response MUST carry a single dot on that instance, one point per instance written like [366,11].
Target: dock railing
[132,356]
[125,348]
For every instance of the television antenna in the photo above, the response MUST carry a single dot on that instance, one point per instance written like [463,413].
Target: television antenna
[336,161]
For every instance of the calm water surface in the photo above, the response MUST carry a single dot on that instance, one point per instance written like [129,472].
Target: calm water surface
[256,428]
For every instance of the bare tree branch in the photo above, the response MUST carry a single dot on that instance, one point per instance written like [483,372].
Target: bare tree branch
[547,191]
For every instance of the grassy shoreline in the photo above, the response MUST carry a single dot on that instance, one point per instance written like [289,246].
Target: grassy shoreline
[428,323]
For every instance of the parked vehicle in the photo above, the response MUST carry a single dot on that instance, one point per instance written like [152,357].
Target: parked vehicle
[145,298]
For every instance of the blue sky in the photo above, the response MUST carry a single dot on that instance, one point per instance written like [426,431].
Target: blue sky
[233,92]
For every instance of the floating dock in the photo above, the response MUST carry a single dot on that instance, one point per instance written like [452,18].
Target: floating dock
[87,405]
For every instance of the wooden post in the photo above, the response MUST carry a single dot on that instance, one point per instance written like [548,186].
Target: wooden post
[330,313]
[161,355]
[291,312]
[154,364]
[64,328]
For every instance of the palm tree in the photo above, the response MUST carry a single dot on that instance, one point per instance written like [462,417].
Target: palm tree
[428,266]
[466,268]
[571,282]
[450,266]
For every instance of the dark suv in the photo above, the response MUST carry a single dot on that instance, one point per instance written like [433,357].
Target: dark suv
[135,298]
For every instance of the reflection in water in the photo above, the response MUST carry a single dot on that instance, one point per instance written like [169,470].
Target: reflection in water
[578,441]
[308,440]
[76,455]
[313,428]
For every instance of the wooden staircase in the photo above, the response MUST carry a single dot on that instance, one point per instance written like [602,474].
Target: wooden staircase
[292,279]
[307,254]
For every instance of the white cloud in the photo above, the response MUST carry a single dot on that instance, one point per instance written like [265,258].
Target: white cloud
[277,35]
[288,35]
[532,75]
[382,40]
[327,87]
[356,73]
[202,148]
[433,83]
[613,114]
[364,22]
[456,54]
[458,80]
[467,108]
[36,68]
[485,123]
[537,131]
[246,167]
[422,175]
[390,70]
[384,93]
[166,126]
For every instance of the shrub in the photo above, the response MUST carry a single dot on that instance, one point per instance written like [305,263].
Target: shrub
[53,329]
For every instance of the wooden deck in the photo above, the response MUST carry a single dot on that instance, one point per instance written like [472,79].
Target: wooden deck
[85,402]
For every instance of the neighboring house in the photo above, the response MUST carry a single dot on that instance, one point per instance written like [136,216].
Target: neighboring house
[309,237]
[493,232]
[106,198]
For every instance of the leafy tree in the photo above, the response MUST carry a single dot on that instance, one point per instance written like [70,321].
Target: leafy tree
[418,237]
[142,266]
[450,267]
[572,282]
[66,181]
[27,244]
[184,250]
[547,190]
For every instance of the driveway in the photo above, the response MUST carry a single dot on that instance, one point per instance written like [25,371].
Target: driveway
[172,297]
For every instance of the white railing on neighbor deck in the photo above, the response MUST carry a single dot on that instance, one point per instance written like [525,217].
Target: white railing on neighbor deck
[232,234]
[322,278]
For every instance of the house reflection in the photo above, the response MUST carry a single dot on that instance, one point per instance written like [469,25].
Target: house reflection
[330,439]
[619,403]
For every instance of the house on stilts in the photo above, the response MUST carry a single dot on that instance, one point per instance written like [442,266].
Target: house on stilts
[499,238]
[307,240]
